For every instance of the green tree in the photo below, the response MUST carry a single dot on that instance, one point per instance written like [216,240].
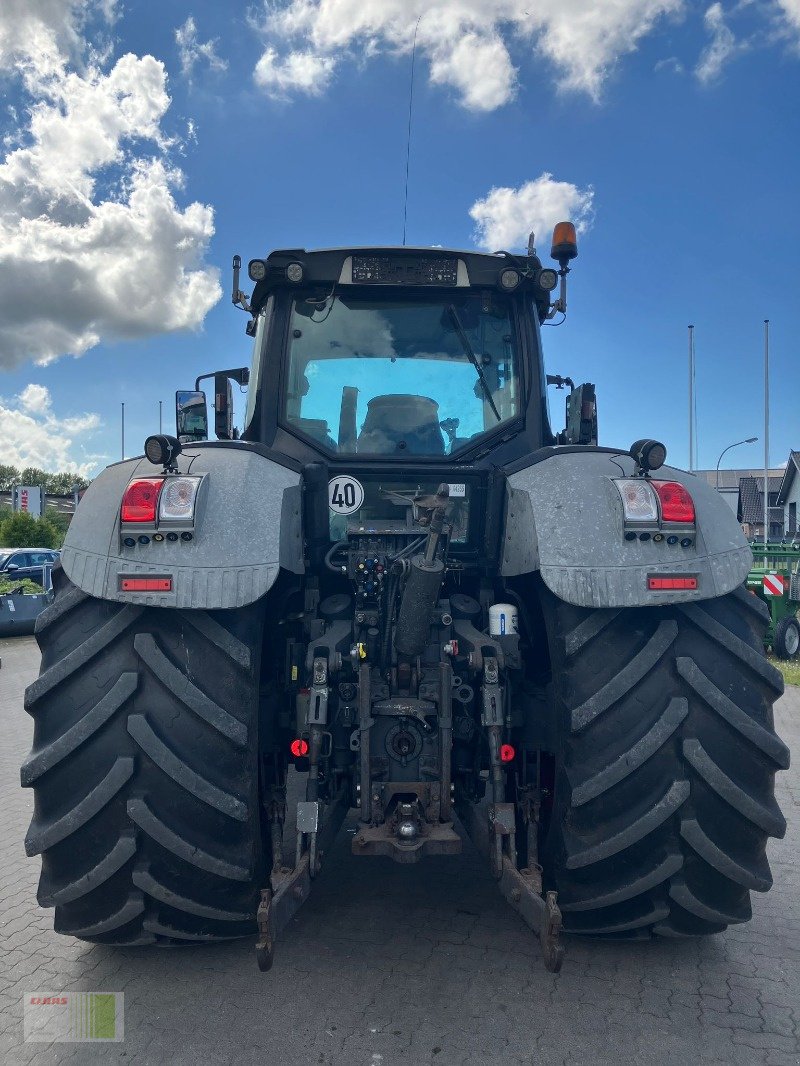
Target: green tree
[32,475]
[64,483]
[22,530]
[9,476]
[60,521]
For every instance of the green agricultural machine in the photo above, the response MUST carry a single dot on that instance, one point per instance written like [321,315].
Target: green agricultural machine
[444,613]
[775,579]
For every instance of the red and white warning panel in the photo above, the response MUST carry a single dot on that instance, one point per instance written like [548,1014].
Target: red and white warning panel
[773,585]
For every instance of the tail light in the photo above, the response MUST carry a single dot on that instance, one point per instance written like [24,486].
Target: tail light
[140,502]
[656,583]
[676,503]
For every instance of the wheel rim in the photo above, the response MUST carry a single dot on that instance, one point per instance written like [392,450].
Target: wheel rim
[792,639]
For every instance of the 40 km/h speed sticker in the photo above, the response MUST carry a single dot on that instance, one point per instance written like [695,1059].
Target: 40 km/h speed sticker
[345,494]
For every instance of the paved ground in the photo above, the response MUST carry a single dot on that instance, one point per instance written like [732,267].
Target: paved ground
[388,966]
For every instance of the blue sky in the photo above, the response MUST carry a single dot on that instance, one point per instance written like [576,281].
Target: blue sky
[670,129]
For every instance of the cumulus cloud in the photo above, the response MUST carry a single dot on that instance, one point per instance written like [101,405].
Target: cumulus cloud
[35,399]
[465,42]
[93,244]
[191,51]
[32,435]
[722,47]
[301,72]
[505,216]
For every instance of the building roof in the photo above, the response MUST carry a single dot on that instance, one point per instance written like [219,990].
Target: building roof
[751,500]
[788,476]
[729,479]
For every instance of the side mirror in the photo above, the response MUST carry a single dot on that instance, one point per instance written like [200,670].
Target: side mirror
[223,407]
[191,416]
[11,568]
[581,416]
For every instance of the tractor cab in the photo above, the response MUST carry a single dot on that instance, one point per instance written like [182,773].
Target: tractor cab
[397,354]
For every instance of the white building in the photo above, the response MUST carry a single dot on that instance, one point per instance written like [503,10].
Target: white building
[789,494]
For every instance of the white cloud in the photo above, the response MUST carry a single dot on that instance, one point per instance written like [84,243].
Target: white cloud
[93,246]
[466,42]
[671,64]
[790,11]
[505,217]
[191,51]
[722,47]
[301,72]
[35,399]
[32,435]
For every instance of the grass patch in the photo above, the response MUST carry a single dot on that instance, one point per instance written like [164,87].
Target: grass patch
[790,668]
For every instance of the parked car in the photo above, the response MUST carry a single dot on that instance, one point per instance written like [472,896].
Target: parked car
[32,563]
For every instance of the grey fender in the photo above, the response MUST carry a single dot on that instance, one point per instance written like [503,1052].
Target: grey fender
[247,526]
[564,518]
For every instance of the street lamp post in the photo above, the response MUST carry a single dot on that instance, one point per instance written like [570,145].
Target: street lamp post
[750,440]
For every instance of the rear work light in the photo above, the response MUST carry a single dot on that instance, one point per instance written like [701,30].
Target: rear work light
[638,500]
[676,503]
[670,584]
[140,501]
[178,499]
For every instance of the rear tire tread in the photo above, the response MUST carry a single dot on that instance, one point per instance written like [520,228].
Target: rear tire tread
[181,773]
[149,823]
[189,694]
[633,672]
[664,789]
[144,880]
[145,771]
[768,818]
[637,830]
[38,763]
[656,737]
[131,908]
[41,837]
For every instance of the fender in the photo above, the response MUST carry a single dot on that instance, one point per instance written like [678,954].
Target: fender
[564,518]
[247,526]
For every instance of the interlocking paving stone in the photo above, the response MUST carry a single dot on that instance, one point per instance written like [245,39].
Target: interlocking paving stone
[394,966]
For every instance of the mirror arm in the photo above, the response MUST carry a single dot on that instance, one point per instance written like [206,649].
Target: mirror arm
[239,374]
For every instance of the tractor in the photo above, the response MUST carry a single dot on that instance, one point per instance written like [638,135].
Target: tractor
[398,584]
[775,579]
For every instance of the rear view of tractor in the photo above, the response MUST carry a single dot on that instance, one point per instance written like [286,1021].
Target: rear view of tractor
[400,580]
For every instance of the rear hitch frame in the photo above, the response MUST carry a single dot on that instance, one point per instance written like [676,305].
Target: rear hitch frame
[521,888]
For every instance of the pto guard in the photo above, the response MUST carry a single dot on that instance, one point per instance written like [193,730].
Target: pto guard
[564,518]
[248,525]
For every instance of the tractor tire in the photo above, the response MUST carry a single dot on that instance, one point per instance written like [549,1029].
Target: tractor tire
[145,770]
[787,638]
[664,786]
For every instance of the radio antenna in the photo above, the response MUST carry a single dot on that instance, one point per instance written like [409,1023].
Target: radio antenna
[410,110]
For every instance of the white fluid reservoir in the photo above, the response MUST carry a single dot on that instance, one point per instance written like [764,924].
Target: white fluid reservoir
[502,619]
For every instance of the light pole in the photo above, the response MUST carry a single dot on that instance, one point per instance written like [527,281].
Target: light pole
[750,440]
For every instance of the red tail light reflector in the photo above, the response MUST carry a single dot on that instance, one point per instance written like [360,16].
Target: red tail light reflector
[145,584]
[671,584]
[299,748]
[676,503]
[507,753]
[140,501]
